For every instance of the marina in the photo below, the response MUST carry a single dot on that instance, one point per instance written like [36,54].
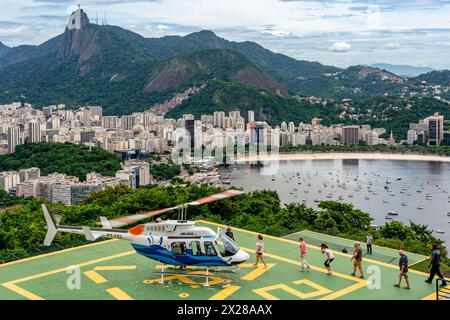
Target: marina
[383,188]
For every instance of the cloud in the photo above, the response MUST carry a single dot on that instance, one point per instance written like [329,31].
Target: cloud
[162,27]
[340,46]
[392,46]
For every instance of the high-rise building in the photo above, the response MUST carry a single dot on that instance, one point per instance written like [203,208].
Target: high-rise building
[435,129]
[190,127]
[128,122]
[110,122]
[13,138]
[350,135]
[34,131]
[251,116]
[219,119]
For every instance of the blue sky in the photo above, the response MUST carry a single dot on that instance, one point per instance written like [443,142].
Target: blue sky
[339,32]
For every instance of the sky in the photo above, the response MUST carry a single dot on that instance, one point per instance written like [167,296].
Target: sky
[338,32]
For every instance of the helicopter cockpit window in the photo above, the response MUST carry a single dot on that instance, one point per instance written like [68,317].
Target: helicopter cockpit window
[196,248]
[228,247]
[178,248]
[209,249]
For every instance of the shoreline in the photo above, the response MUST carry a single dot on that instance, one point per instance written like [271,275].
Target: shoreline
[343,156]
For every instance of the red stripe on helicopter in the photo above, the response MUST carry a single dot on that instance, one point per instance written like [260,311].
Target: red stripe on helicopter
[138,230]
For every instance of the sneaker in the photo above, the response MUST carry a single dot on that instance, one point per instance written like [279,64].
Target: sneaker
[406,288]
[302,270]
[361,277]
[397,285]
[443,285]
[353,274]
[428,281]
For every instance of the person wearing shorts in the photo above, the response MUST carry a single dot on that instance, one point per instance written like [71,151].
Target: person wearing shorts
[260,252]
[357,257]
[403,265]
[330,257]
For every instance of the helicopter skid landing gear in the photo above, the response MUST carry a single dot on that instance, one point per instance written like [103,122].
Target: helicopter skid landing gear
[212,269]
[181,278]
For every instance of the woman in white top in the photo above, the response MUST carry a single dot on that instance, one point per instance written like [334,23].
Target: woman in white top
[260,252]
[329,254]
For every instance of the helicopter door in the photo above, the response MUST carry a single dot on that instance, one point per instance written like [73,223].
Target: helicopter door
[179,248]
[196,248]
[209,248]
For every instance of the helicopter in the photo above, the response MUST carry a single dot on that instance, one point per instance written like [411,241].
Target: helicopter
[172,242]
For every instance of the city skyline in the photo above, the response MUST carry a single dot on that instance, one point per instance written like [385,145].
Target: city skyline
[340,33]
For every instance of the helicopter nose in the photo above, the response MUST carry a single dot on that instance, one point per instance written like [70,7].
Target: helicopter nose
[240,256]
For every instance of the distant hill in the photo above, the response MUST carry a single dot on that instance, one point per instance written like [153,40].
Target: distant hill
[228,96]
[403,70]
[441,77]
[3,49]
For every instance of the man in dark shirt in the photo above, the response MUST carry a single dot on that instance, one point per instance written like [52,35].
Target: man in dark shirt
[229,233]
[403,265]
[435,266]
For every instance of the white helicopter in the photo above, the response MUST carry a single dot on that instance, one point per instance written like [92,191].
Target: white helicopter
[171,242]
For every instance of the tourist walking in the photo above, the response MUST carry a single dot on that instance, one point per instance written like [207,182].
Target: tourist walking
[260,252]
[403,264]
[435,266]
[369,239]
[329,255]
[357,257]
[303,252]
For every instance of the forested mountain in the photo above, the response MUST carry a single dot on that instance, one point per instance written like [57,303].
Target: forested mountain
[125,72]
[3,49]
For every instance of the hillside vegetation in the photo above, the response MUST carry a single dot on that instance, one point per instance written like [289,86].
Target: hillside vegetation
[67,158]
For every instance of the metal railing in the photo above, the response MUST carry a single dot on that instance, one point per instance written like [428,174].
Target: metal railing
[442,293]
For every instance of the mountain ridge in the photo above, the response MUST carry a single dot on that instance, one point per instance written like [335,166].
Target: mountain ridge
[126,72]
[404,70]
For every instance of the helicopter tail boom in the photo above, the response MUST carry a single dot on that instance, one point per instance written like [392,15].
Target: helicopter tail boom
[91,234]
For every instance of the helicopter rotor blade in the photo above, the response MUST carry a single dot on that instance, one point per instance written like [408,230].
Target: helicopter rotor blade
[123,221]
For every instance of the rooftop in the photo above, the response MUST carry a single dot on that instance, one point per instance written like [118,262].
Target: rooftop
[112,270]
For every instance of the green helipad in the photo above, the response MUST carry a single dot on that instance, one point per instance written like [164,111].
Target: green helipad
[112,270]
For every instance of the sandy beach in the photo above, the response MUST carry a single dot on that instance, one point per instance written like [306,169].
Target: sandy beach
[345,156]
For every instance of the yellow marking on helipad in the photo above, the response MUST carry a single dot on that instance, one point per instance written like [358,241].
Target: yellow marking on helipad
[94,276]
[252,275]
[56,252]
[297,263]
[360,283]
[344,291]
[319,289]
[12,284]
[225,293]
[119,294]
[431,296]
[27,294]
[114,268]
